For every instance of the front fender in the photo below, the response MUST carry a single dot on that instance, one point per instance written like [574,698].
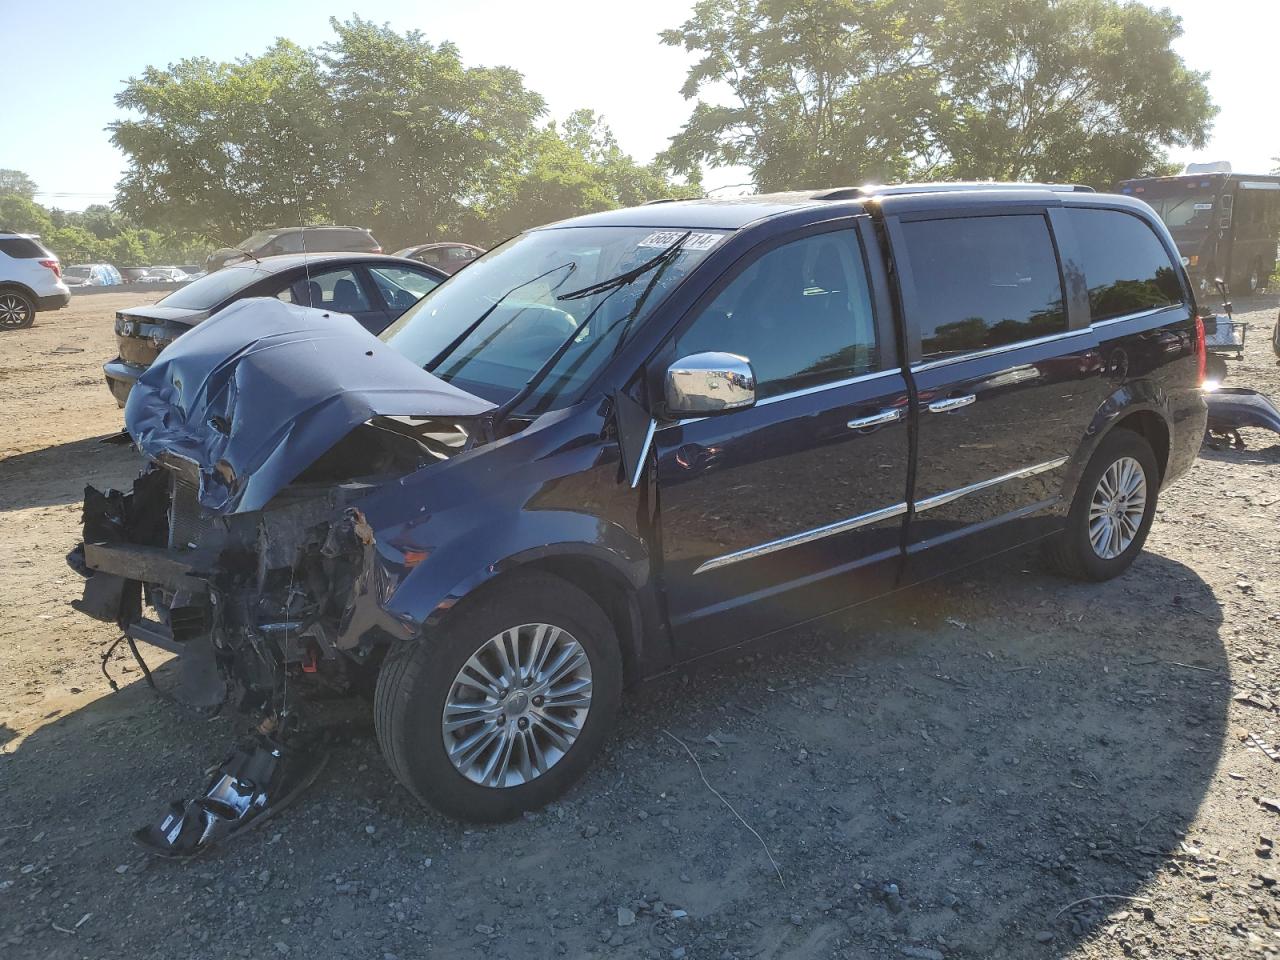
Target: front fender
[458,567]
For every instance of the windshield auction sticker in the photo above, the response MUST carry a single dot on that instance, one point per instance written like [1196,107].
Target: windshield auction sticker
[696,241]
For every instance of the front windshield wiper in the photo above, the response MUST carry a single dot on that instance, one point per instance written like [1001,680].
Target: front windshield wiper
[457,341]
[622,279]
[613,284]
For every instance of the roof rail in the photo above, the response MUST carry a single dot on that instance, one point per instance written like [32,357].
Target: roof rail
[876,190]
[650,203]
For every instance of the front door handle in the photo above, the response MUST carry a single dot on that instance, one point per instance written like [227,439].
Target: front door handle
[876,419]
[951,403]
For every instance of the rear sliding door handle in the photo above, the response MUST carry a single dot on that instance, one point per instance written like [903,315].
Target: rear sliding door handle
[951,403]
[876,419]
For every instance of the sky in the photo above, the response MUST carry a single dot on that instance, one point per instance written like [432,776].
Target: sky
[71,62]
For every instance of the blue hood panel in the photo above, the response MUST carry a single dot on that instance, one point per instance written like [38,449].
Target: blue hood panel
[257,393]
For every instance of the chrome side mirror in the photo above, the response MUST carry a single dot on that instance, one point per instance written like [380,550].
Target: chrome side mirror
[706,383]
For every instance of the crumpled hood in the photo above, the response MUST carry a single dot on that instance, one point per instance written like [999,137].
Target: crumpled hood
[257,394]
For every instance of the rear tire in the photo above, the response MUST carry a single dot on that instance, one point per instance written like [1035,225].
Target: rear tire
[433,699]
[17,310]
[1103,534]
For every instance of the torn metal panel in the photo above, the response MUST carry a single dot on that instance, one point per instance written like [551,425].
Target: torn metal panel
[256,395]
[1231,408]
[258,780]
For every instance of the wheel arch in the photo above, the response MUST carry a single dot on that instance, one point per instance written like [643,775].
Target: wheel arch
[591,569]
[21,288]
[1139,407]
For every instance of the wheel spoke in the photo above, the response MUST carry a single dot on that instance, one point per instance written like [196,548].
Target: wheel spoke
[470,749]
[501,730]
[543,723]
[570,660]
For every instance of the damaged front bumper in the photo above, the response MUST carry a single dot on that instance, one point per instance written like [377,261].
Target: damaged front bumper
[244,599]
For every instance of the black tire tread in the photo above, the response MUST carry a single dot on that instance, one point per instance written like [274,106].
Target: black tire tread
[1062,553]
[403,671]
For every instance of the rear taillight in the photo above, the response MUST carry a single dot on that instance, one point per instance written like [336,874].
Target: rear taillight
[1201,353]
[54,266]
[377,249]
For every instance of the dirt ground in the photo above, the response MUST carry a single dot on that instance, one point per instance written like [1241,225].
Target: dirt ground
[1004,765]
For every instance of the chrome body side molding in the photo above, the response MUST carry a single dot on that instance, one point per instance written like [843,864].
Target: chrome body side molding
[864,519]
[938,499]
[807,536]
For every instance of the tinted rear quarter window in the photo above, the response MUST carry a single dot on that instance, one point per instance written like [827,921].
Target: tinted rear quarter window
[23,248]
[1126,267]
[339,240]
[983,282]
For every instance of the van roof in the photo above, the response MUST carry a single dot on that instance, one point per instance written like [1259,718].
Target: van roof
[731,213]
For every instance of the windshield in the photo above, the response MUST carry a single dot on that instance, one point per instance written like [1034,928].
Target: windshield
[78,273]
[212,289]
[491,327]
[1184,210]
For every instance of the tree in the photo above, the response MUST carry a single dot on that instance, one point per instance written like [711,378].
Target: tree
[1085,91]
[75,244]
[23,215]
[826,92]
[822,91]
[423,135]
[221,149]
[16,182]
[564,171]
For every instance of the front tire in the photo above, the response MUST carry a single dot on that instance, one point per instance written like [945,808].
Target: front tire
[1111,515]
[17,310]
[503,709]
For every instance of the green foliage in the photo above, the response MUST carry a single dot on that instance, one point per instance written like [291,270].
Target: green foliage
[1083,91]
[375,129]
[221,149]
[23,215]
[560,172]
[849,91]
[98,234]
[16,182]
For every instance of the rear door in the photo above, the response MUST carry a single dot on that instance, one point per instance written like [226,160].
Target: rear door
[1006,371]
[794,507]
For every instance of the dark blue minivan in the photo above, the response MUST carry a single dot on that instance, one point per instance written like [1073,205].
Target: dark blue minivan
[633,438]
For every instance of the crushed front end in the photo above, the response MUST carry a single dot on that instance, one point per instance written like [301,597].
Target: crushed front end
[243,598]
[242,547]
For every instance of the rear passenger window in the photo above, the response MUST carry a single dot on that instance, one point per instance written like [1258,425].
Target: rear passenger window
[983,282]
[1125,264]
[22,248]
[801,314]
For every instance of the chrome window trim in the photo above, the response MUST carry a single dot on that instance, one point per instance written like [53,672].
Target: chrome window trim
[938,499]
[818,388]
[808,536]
[1004,348]
[833,385]
[644,453]
[1140,314]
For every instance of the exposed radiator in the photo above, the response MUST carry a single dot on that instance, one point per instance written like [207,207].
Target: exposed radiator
[187,527]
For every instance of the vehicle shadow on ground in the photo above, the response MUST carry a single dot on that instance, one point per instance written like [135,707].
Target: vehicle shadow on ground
[942,774]
[1259,449]
[57,475]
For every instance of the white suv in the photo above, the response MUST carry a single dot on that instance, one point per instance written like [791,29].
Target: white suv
[30,280]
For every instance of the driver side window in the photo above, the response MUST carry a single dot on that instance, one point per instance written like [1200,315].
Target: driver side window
[801,313]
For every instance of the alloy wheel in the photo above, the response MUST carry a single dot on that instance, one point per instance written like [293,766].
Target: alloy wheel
[517,706]
[15,311]
[1117,508]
